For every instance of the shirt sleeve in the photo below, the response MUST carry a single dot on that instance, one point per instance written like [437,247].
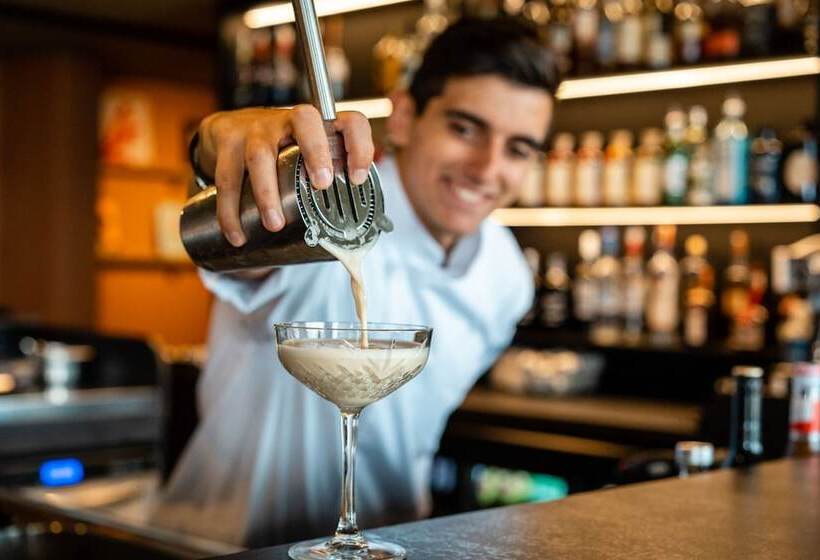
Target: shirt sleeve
[247,296]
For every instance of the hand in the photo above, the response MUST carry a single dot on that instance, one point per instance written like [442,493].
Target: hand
[233,141]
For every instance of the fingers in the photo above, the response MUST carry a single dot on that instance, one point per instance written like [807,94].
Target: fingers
[228,179]
[309,133]
[358,142]
[260,161]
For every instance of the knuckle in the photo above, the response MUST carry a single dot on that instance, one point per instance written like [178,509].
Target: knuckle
[304,113]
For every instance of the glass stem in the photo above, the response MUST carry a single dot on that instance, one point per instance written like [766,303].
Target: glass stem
[347,531]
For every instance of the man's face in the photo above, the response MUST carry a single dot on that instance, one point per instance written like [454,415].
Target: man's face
[469,151]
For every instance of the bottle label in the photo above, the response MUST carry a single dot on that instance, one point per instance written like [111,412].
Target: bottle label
[554,309]
[804,416]
[675,177]
[648,175]
[559,183]
[616,184]
[629,40]
[799,171]
[585,300]
[695,326]
[588,188]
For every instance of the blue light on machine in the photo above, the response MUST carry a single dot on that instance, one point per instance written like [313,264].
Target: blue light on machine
[61,472]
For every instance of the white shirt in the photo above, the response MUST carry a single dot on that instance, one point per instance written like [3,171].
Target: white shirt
[264,464]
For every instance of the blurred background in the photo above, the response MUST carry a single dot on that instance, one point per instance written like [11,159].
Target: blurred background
[670,228]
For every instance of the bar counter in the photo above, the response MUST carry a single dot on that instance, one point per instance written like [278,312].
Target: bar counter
[771,511]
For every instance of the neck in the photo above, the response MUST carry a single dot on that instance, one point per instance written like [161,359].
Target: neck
[446,240]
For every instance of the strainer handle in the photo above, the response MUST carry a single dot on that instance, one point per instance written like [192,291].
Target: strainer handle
[307,26]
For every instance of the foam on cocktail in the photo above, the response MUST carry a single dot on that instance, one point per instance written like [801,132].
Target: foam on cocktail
[348,375]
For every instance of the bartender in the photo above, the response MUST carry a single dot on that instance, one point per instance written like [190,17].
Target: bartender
[262,467]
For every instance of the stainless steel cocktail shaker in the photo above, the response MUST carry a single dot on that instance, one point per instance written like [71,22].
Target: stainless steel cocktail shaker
[346,215]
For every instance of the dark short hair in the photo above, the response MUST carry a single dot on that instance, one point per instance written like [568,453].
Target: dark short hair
[505,46]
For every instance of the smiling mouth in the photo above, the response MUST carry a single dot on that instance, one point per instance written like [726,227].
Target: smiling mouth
[465,196]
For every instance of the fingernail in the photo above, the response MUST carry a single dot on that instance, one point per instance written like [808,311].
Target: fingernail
[323,177]
[236,238]
[275,220]
[359,176]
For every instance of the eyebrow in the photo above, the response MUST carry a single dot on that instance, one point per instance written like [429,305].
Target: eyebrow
[484,125]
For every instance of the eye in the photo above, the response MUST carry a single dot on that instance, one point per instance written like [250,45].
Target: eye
[520,150]
[462,129]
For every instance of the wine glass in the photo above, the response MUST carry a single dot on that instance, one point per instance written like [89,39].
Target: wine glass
[351,367]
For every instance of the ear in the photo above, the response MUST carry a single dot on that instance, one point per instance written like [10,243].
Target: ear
[400,122]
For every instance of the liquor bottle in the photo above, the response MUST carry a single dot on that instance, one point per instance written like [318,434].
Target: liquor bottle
[606,49]
[618,168]
[629,36]
[338,66]
[584,289]
[722,42]
[589,170]
[560,170]
[606,273]
[689,32]
[764,167]
[647,186]
[243,68]
[559,33]
[804,412]
[789,32]
[745,445]
[262,66]
[699,181]
[756,36]
[698,291]
[533,258]
[731,148]
[531,194]
[555,297]
[736,278]
[796,327]
[285,76]
[676,163]
[663,301]
[657,34]
[585,24]
[799,169]
[634,284]
[748,328]
[811,29]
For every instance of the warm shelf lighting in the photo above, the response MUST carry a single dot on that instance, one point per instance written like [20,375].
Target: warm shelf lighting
[282,12]
[640,216]
[375,108]
[689,77]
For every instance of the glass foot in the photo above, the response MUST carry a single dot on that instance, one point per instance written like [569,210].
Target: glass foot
[328,550]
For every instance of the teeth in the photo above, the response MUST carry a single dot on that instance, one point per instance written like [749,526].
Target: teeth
[468,196]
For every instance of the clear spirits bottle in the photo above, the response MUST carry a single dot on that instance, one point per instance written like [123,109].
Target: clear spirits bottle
[731,147]
[663,301]
[634,284]
[606,272]
[584,289]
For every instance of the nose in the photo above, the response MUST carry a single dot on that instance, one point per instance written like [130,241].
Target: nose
[487,161]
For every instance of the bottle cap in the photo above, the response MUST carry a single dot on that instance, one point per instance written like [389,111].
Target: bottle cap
[750,372]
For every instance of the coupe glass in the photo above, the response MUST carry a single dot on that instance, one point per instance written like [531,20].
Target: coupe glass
[351,367]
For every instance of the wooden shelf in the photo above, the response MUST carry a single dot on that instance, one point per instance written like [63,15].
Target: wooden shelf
[647,216]
[140,263]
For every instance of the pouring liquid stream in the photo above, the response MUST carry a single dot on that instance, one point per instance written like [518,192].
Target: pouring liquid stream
[351,259]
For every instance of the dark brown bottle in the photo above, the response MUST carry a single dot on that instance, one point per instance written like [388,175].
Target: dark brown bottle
[745,445]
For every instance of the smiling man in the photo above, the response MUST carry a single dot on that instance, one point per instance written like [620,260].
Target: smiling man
[262,466]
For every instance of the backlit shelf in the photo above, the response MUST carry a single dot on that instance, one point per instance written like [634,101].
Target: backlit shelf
[647,216]
[645,82]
